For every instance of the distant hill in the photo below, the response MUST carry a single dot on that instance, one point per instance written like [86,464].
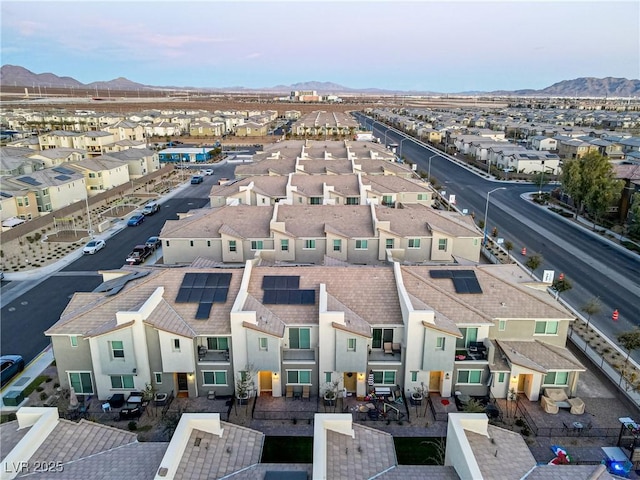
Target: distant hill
[579,87]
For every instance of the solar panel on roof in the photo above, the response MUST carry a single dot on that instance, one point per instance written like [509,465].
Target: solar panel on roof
[293,282]
[188,279]
[5,195]
[204,309]
[200,280]
[308,297]
[30,181]
[62,178]
[63,170]
[211,281]
[463,273]
[224,279]
[440,273]
[282,297]
[269,297]
[280,283]
[195,294]
[183,295]
[295,297]
[220,295]
[208,294]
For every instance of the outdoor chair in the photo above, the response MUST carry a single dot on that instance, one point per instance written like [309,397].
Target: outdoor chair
[306,392]
[388,348]
[549,405]
[577,405]
[211,395]
[289,393]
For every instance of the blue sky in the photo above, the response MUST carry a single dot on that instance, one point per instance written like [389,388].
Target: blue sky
[451,46]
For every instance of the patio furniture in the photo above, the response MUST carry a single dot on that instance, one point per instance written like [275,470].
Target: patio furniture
[549,405]
[106,407]
[211,395]
[388,348]
[477,349]
[289,393]
[577,405]
[160,399]
[306,391]
[130,413]
[116,400]
[554,399]
[297,393]
[395,348]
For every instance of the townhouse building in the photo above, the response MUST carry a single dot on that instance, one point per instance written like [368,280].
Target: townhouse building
[18,161]
[101,173]
[55,157]
[474,329]
[324,123]
[140,161]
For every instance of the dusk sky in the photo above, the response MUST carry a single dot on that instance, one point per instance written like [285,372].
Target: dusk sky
[450,46]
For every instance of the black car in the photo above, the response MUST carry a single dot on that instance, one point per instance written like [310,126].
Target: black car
[153,242]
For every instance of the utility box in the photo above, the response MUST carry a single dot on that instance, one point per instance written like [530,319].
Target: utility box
[13,398]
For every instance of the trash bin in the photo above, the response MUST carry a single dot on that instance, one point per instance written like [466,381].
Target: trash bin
[13,398]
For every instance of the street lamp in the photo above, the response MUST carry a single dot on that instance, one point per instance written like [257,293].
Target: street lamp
[486,211]
[429,171]
[401,142]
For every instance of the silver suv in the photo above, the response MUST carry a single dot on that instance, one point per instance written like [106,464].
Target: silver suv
[151,208]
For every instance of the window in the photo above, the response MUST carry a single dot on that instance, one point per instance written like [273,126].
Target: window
[74,340]
[414,376]
[414,243]
[191,243]
[440,343]
[310,244]
[284,245]
[470,376]
[353,201]
[556,378]
[300,338]
[351,344]
[45,192]
[122,381]
[501,376]
[384,377]
[176,344]
[315,200]
[388,243]
[256,244]
[361,244]
[217,343]
[92,175]
[546,328]
[468,335]
[217,377]
[263,343]
[422,196]
[327,377]
[232,245]
[387,200]
[81,382]
[167,243]
[117,349]
[337,245]
[299,377]
[442,244]
[158,377]
[502,325]
[380,336]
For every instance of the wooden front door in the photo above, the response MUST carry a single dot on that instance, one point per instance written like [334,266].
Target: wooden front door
[265,381]
[183,383]
[434,381]
[521,379]
[350,381]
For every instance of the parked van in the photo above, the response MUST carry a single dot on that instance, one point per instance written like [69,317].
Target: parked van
[150,208]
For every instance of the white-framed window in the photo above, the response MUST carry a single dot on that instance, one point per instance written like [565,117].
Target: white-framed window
[337,245]
[442,244]
[414,243]
[549,327]
[284,244]
[214,377]
[176,344]
[501,376]
[502,325]
[299,377]
[384,377]
[380,336]
[362,244]
[351,344]
[81,382]
[556,378]
[327,377]
[473,377]
[232,246]
[387,200]
[414,376]
[122,381]
[315,200]
[440,342]
[300,338]
[422,196]
[310,244]
[158,377]
[74,340]
[117,349]
[256,245]
[469,335]
[353,200]
[217,343]
[263,343]
[388,243]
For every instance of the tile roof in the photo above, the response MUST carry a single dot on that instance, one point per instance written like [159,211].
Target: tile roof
[318,166]
[394,184]
[352,321]
[10,435]
[420,472]
[313,184]
[354,221]
[539,356]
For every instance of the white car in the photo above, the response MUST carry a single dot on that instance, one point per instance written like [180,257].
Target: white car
[208,171]
[93,246]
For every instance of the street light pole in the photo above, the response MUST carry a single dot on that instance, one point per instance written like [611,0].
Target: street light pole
[486,211]
[429,171]
[401,142]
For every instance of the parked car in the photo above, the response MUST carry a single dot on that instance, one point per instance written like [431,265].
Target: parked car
[151,208]
[208,171]
[93,246]
[138,255]
[136,220]
[10,366]
[197,179]
[153,242]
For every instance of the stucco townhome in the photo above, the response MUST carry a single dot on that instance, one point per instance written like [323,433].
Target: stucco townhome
[101,173]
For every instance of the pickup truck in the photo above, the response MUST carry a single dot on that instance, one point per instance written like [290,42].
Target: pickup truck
[139,254]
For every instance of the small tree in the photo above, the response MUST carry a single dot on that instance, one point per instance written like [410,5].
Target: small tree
[630,341]
[592,307]
[508,246]
[533,262]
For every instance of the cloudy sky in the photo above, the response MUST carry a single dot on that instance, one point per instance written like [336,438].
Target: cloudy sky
[438,46]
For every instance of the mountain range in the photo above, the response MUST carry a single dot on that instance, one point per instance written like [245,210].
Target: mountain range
[13,75]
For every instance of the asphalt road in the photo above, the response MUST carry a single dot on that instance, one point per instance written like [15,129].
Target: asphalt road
[594,266]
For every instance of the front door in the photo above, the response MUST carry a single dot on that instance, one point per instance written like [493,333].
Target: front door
[350,382]
[266,384]
[434,381]
[183,383]
[521,379]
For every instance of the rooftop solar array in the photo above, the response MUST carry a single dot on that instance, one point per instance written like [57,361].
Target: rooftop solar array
[30,181]
[464,281]
[62,178]
[5,195]
[284,290]
[205,289]
[63,170]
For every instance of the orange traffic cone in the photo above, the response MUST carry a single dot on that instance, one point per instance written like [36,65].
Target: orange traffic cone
[524,251]
[614,316]
[561,277]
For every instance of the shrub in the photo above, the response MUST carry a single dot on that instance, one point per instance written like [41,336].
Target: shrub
[43,395]
[49,379]
[56,385]
[519,422]
[39,389]
[132,425]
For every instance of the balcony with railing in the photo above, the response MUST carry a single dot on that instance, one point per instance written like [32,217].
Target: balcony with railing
[212,356]
[390,352]
[298,355]
[475,351]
